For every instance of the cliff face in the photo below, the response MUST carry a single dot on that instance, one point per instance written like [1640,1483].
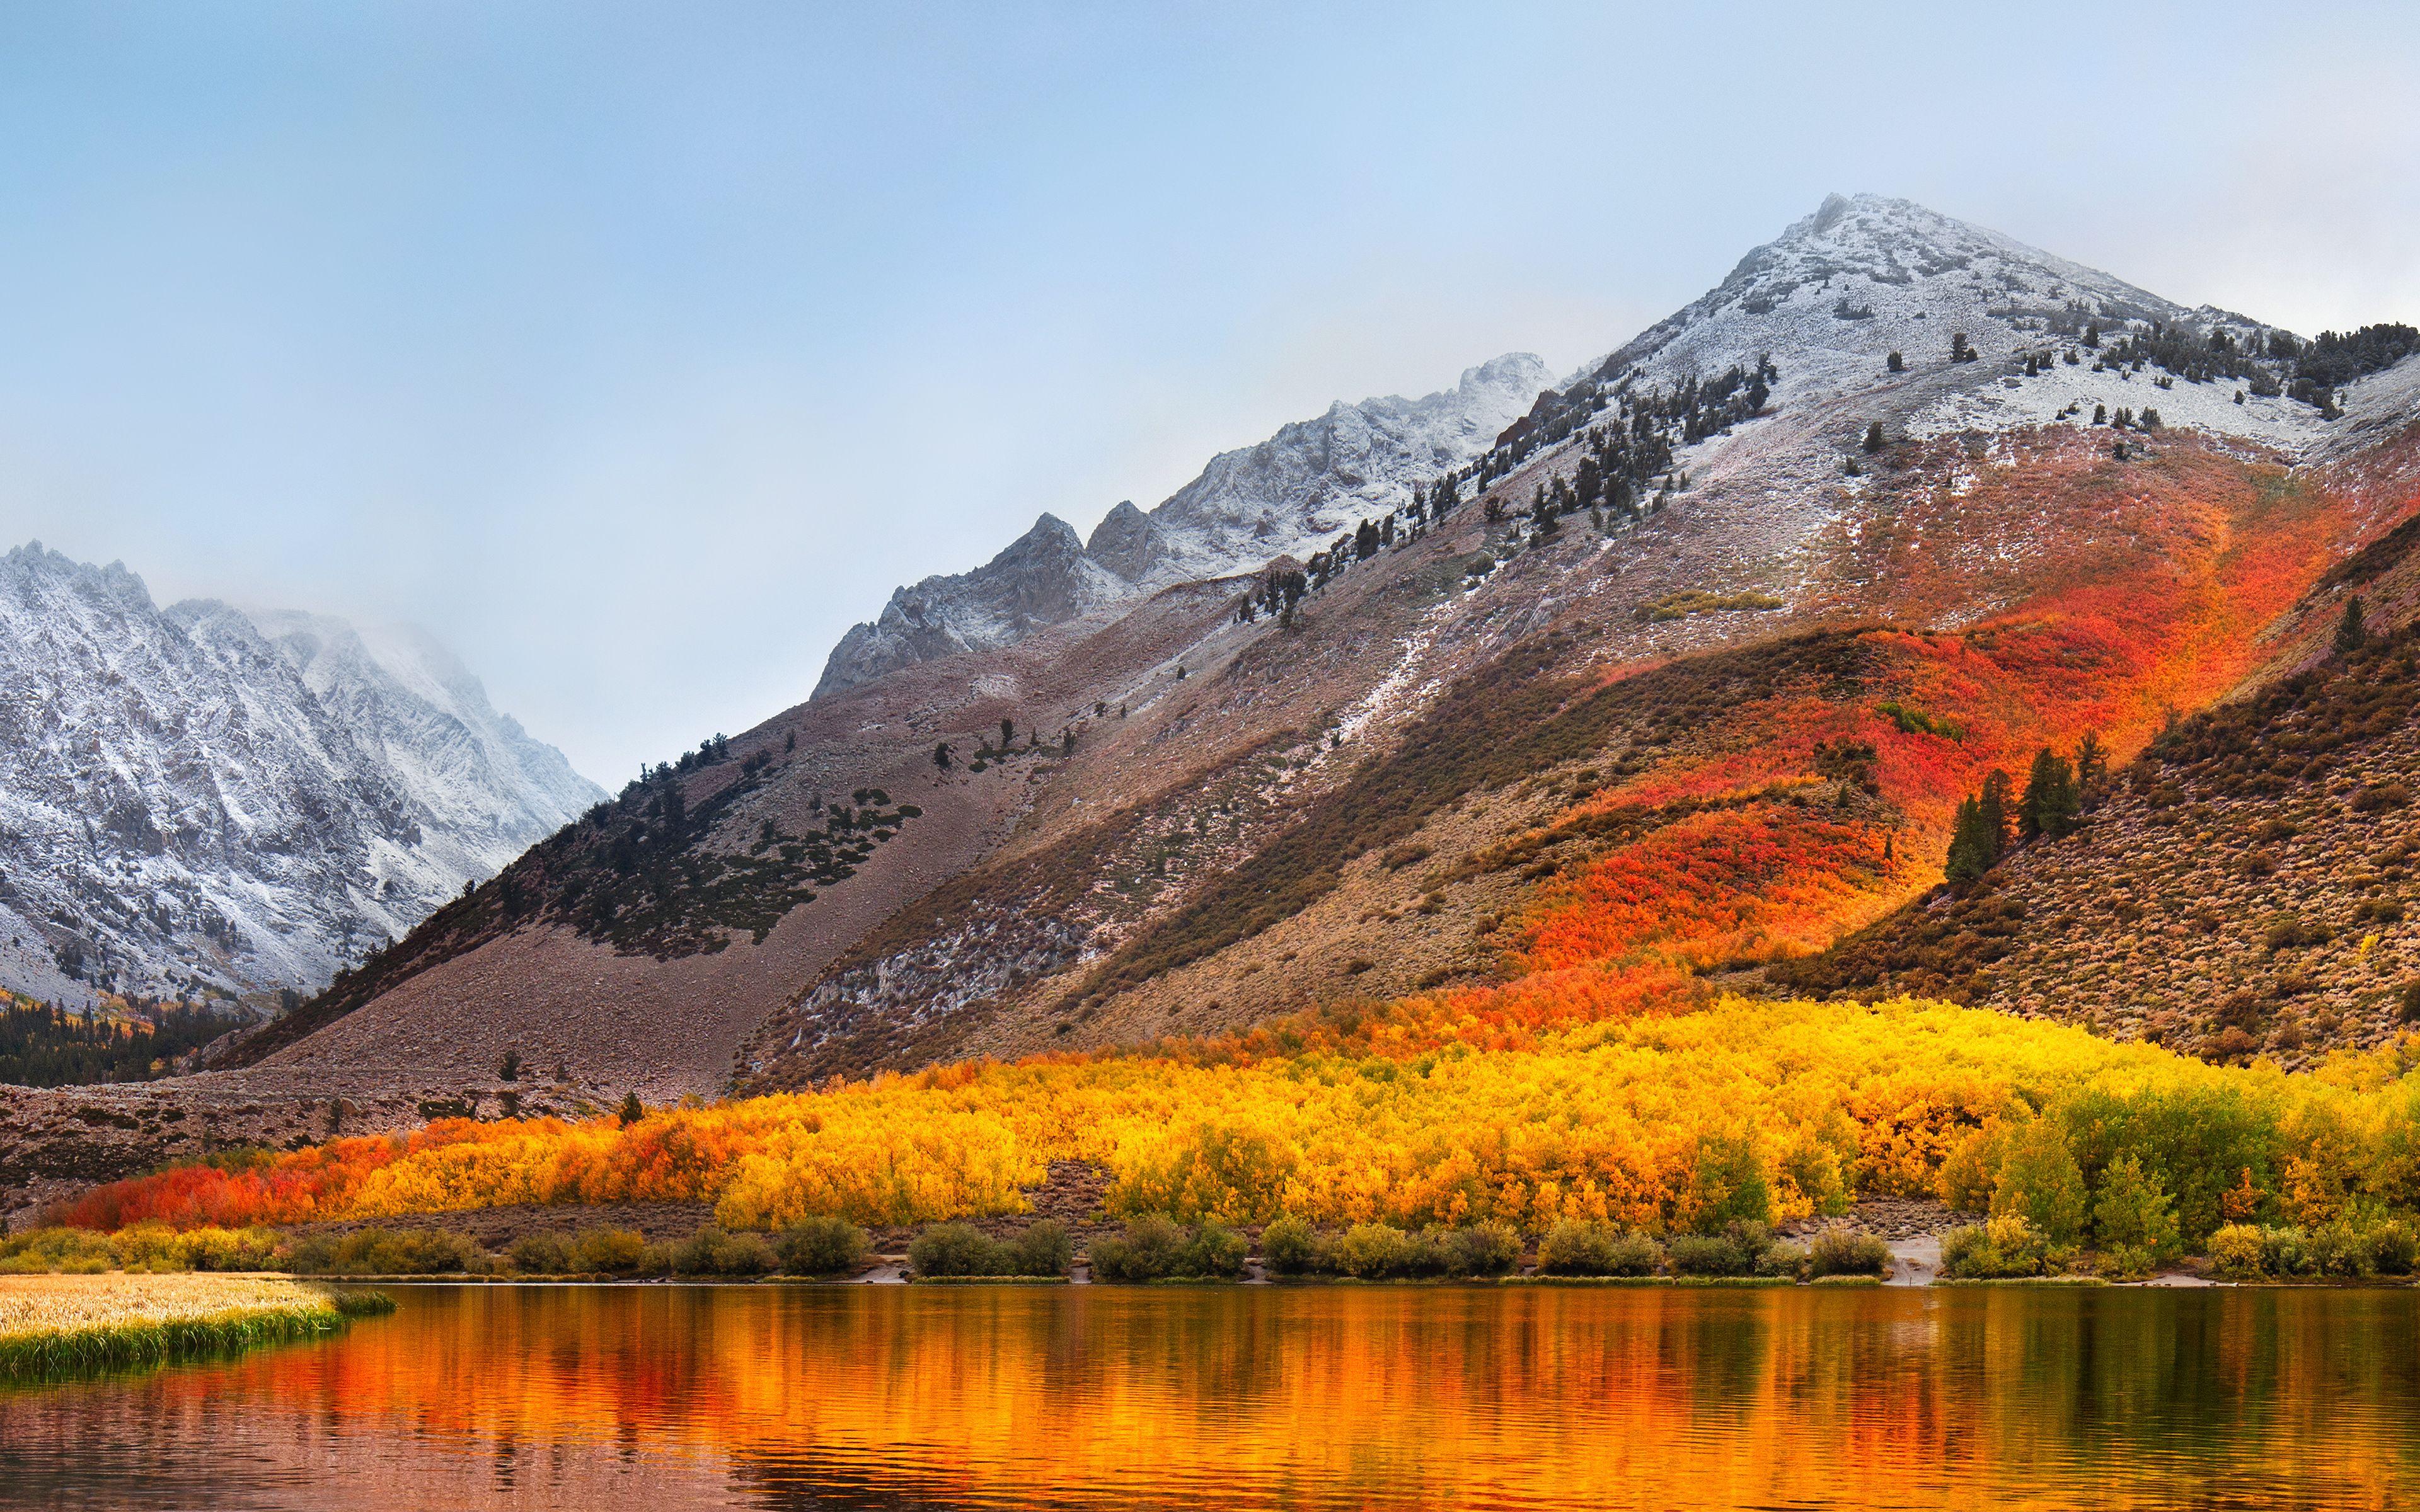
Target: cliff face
[192,796]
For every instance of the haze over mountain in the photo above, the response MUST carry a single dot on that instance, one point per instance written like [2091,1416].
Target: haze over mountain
[200,798]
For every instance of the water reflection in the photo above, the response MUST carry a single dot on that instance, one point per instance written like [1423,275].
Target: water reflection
[825,1397]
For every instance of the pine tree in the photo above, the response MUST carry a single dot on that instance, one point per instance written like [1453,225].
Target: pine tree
[2353,630]
[1874,438]
[941,755]
[1999,812]
[632,1110]
[2091,768]
[1970,847]
[2051,802]
[1897,362]
[1007,735]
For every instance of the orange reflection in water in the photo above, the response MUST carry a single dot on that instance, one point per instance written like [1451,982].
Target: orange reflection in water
[1341,1396]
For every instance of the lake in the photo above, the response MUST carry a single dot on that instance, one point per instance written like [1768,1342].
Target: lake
[667,1396]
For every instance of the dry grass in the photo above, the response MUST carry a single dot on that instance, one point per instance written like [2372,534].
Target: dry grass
[52,1326]
[57,1303]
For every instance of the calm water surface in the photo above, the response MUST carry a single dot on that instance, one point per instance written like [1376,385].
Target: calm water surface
[1377,1398]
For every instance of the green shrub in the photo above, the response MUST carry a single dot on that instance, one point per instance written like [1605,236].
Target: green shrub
[390,1252]
[1743,1248]
[2284,1251]
[230,1249]
[822,1246]
[715,1252]
[2395,1246]
[1215,1250]
[953,1249]
[1574,1247]
[1044,1249]
[1288,1247]
[1634,1255]
[2343,1248]
[1490,1249]
[612,1251]
[541,1255]
[1838,1252]
[2003,1247]
[1782,1258]
[2235,1252]
[1376,1251]
[56,1252]
[152,1247]
[1709,1255]
[2128,1262]
[962,1249]
[1149,1249]
[1578,1247]
[1158,1247]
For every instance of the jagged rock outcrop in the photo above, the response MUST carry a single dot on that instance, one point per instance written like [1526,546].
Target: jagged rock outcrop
[193,797]
[1288,495]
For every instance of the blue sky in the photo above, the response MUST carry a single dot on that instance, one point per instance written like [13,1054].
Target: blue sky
[640,350]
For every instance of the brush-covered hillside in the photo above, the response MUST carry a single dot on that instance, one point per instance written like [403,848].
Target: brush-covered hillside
[1684,674]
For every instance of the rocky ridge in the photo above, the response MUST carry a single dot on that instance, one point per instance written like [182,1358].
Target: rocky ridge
[1288,495]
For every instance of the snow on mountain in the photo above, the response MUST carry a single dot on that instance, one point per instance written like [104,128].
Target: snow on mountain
[193,796]
[1288,495]
[1866,276]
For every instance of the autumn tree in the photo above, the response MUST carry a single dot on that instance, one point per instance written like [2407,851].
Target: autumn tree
[2132,1212]
[2040,1182]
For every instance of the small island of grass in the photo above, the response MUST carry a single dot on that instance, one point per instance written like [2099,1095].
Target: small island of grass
[52,1326]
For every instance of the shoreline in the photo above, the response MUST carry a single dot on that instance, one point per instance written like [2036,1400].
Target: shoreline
[2170,1281]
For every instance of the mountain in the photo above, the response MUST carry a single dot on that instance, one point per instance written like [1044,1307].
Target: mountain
[1678,679]
[196,798]
[1287,496]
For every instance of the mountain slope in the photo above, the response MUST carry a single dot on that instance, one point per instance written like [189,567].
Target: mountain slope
[2244,888]
[192,799]
[1286,496]
[1673,680]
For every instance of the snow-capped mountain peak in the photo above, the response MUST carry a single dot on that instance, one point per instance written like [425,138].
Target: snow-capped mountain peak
[196,795]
